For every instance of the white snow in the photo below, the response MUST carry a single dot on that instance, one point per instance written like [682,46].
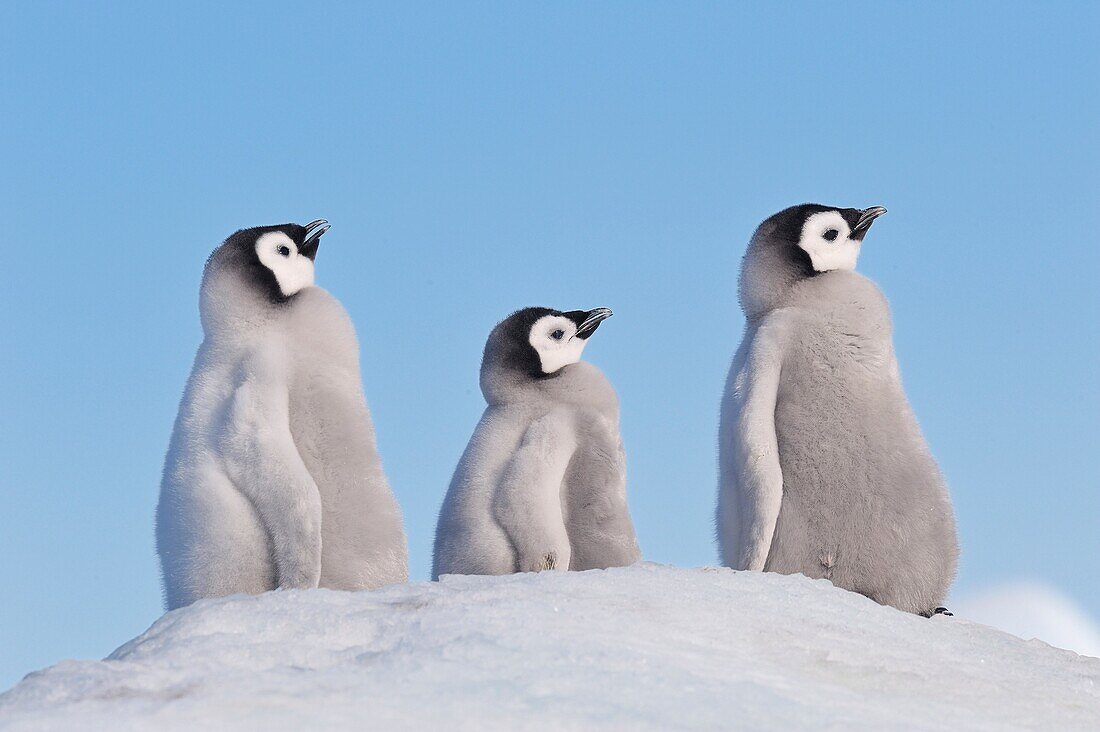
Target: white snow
[1033,609]
[646,647]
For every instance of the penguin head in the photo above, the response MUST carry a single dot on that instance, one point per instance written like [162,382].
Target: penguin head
[268,264]
[800,242]
[537,343]
[278,260]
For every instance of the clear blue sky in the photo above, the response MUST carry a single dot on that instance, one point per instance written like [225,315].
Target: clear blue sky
[481,157]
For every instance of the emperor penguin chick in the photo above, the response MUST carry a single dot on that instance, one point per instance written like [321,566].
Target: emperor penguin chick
[542,484]
[272,478]
[823,468]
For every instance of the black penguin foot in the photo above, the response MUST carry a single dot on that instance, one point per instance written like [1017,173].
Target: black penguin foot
[937,611]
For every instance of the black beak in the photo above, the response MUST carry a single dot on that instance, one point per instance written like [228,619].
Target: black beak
[588,320]
[866,217]
[314,230]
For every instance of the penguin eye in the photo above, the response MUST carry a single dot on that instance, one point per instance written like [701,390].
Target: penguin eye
[831,234]
[558,334]
[284,250]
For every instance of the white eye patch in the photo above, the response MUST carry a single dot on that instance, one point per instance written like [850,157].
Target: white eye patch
[553,338]
[825,237]
[278,253]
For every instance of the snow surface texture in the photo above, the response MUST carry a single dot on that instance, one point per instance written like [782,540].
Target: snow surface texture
[643,647]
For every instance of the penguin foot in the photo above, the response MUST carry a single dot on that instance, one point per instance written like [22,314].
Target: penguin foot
[937,611]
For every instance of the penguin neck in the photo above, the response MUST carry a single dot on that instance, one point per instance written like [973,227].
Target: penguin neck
[841,291]
[769,273]
[231,306]
[578,384]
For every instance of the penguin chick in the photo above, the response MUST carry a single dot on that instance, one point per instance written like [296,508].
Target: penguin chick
[542,483]
[272,477]
[823,468]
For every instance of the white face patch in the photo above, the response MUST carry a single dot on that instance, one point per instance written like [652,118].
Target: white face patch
[278,253]
[554,338]
[825,237]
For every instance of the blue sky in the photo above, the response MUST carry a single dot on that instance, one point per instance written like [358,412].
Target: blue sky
[477,158]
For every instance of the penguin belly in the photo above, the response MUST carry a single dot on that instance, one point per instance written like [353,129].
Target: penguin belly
[362,538]
[363,543]
[594,505]
[864,504]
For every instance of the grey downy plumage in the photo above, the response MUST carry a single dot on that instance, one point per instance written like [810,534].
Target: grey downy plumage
[542,483]
[272,477]
[823,467]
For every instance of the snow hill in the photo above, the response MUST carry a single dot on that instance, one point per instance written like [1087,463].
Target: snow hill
[646,647]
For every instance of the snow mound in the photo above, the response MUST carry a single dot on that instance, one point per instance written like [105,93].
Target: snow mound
[645,647]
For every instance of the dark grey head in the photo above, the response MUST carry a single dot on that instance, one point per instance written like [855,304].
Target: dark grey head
[277,260]
[797,243]
[539,342]
[818,238]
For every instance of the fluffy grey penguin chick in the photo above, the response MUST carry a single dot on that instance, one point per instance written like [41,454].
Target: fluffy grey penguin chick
[542,484]
[272,477]
[823,469]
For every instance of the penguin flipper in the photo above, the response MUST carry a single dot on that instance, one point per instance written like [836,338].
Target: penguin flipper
[527,501]
[264,464]
[757,480]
